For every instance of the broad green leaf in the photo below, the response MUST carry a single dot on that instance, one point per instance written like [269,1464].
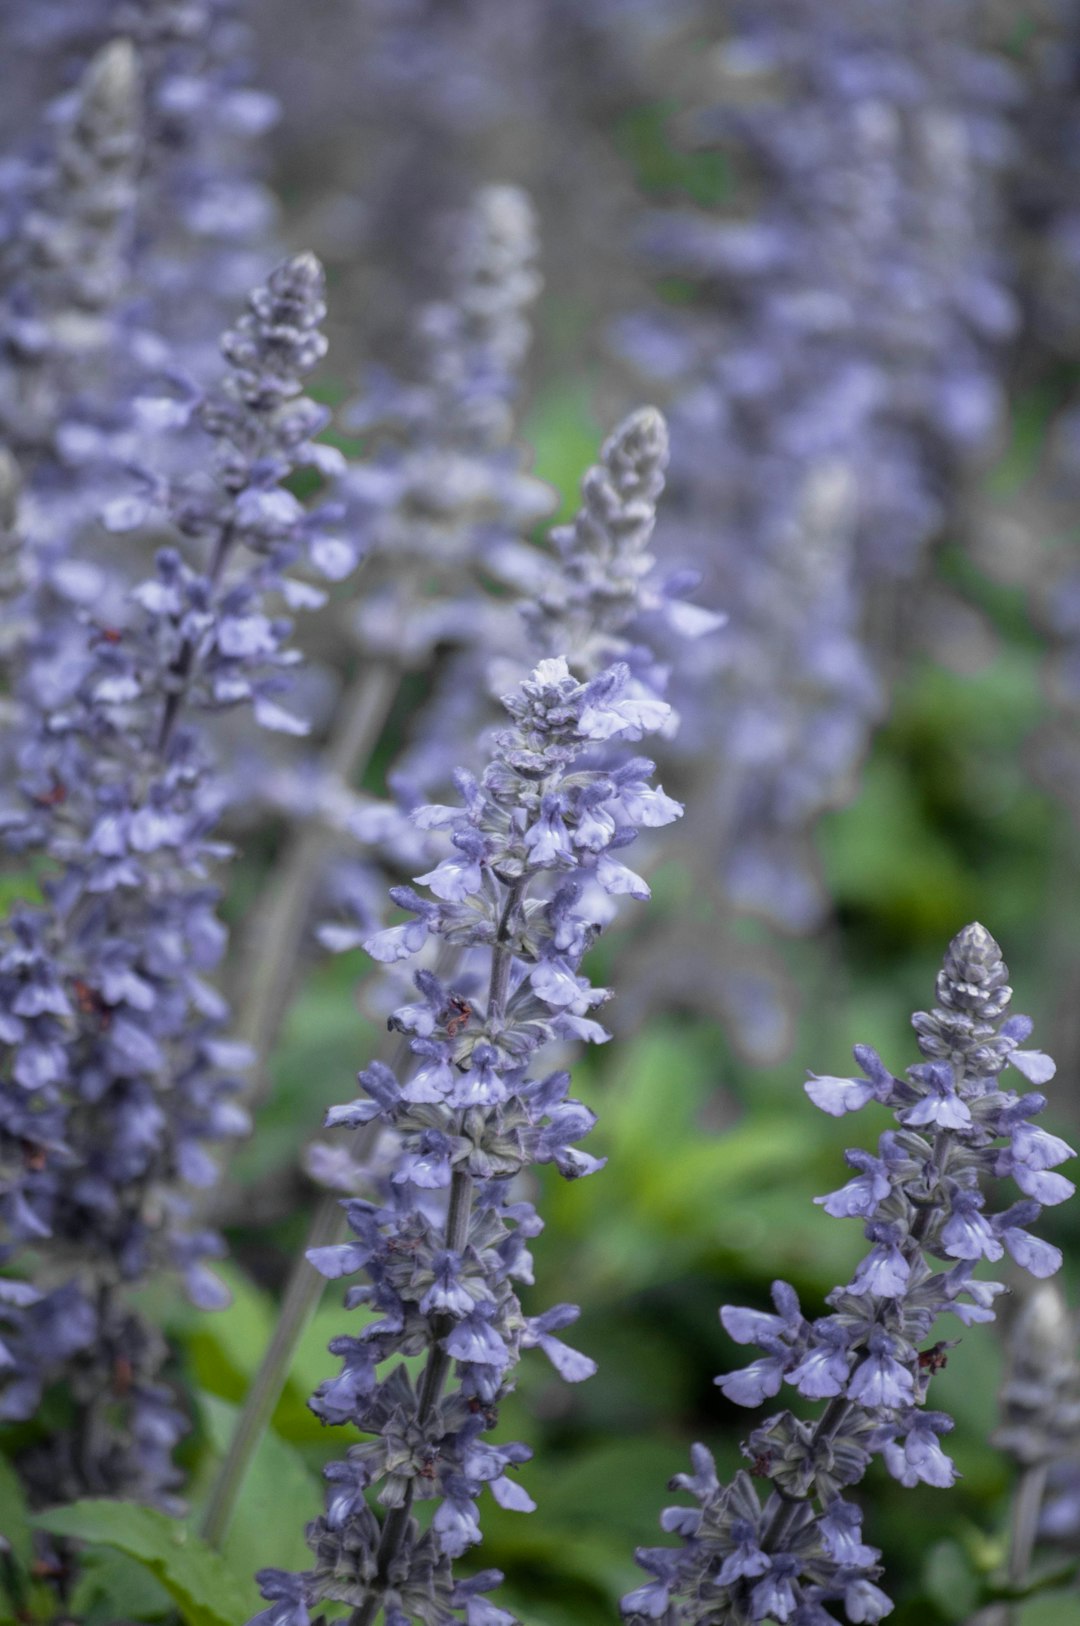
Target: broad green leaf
[198,1580]
[1052,1610]
[279,1497]
[949,1580]
[669,1192]
[114,1587]
[15,1516]
[324,1041]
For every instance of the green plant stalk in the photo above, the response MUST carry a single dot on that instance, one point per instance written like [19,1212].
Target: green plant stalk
[1027,1506]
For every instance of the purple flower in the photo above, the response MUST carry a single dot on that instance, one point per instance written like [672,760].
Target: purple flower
[921,1201]
[115,1039]
[445,1243]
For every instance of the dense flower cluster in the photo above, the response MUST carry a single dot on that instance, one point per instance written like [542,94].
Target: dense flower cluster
[585,598]
[925,1213]
[118,1077]
[449,1236]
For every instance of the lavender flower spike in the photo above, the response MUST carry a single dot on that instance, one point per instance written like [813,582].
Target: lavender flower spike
[928,1223]
[448,1237]
[116,1074]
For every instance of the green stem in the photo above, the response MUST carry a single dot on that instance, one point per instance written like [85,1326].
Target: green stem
[1025,1523]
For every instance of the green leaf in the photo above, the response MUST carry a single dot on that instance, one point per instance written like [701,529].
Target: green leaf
[279,1496]
[566,436]
[114,1587]
[198,1580]
[15,1516]
[226,1347]
[314,1066]
[949,1580]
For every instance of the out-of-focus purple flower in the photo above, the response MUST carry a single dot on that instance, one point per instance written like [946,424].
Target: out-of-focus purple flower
[446,482]
[443,480]
[835,375]
[69,222]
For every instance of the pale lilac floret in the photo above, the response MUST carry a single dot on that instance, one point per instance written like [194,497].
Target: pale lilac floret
[1032,1153]
[884,1272]
[759,1381]
[748,1326]
[747,1559]
[967,1234]
[880,1379]
[454,879]
[774,1597]
[861,1196]
[841,1534]
[823,1370]
[918,1456]
[1036,1066]
[836,1096]
[940,1105]
[865,1602]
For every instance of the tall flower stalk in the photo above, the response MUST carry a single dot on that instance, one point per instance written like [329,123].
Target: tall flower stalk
[569,596]
[446,1237]
[67,361]
[119,1076]
[66,263]
[926,1215]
